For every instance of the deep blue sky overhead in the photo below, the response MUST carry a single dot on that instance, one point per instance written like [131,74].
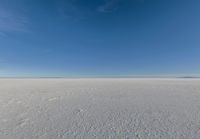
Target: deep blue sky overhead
[99,37]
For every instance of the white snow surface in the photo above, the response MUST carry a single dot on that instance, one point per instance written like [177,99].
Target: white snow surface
[100,108]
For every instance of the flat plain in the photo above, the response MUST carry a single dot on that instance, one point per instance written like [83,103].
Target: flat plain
[101,108]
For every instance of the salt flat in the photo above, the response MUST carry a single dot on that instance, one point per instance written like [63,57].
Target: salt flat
[99,108]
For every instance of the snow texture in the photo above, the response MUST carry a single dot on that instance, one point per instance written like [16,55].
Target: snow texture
[99,108]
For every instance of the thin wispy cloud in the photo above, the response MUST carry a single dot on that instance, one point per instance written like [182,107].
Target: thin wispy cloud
[11,21]
[70,10]
[1,72]
[113,5]
[47,50]
[2,60]
[75,10]
[2,34]
[108,6]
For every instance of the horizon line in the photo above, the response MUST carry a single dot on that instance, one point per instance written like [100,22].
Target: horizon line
[105,76]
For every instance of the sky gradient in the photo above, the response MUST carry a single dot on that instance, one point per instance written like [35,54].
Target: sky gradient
[99,37]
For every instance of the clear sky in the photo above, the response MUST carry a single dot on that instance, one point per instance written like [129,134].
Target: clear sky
[99,37]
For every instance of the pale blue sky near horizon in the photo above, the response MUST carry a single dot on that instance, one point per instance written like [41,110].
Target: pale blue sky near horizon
[99,37]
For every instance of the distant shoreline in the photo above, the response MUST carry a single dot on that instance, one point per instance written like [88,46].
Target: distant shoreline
[99,77]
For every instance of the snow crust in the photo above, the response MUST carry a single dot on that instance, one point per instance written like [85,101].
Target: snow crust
[99,108]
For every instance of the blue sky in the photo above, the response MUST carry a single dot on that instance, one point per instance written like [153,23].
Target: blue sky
[99,37]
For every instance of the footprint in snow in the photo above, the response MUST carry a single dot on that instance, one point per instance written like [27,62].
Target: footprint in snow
[77,111]
[53,99]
